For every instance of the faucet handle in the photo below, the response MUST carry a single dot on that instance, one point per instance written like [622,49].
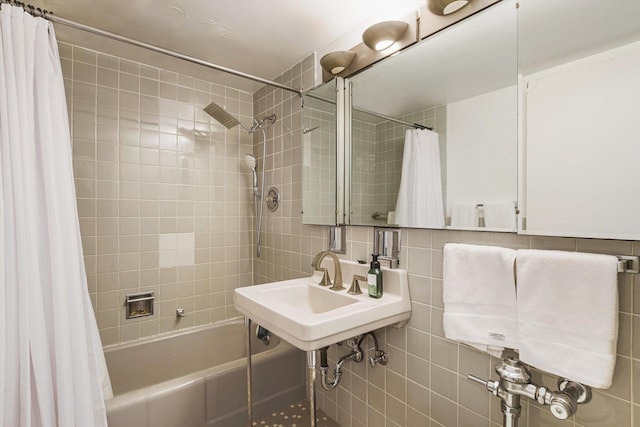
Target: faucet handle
[326,280]
[355,285]
[492,386]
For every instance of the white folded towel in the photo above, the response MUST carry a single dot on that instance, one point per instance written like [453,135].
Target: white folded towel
[480,296]
[568,314]
[464,215]
[500,215]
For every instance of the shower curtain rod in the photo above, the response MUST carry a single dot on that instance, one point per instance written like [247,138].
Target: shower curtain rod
[36,11]
[392,119]
[373,113]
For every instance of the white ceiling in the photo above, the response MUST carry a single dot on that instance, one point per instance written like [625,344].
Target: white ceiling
[259,37]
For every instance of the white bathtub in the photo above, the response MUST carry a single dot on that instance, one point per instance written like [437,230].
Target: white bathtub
[197,378]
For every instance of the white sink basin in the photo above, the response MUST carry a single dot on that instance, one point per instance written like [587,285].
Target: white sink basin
[310,316]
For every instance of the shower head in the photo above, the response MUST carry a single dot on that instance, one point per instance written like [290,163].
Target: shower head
[221,115]
[250,161]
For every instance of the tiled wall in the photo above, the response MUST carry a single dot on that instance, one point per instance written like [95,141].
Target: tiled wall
[425,382]
[363,169]
[288,246]
[377,151]
[389,145]
[149,163]
[319,163]
[164,204]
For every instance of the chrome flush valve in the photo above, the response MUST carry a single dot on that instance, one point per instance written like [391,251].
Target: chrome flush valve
[515,382]
[564,403]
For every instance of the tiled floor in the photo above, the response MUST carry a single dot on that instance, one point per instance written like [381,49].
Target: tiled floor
[295,415]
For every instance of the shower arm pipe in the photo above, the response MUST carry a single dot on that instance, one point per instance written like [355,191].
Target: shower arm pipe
[259,197]
[69,23]
[373,113]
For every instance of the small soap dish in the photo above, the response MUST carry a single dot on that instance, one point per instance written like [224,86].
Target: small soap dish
[139,304]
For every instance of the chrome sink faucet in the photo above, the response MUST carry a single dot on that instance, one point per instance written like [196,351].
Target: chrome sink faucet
[326,280]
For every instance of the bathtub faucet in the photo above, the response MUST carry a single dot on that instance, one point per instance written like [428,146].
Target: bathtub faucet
[515,381]
[326,280]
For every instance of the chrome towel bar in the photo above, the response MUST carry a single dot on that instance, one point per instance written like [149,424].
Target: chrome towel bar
[628,264]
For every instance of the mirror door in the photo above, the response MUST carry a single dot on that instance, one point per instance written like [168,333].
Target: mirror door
[320,158]
[462,84]
[579,62]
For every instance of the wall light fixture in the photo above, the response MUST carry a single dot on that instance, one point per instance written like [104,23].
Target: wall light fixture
[336,62]
[446,7]
[383,35]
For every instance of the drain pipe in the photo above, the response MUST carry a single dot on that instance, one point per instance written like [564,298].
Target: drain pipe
[379,356]
[355,355]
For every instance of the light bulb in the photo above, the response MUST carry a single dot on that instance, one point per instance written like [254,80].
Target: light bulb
[454,6]
[383,44]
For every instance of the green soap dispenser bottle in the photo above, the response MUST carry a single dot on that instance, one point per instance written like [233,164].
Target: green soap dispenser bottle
[374,278]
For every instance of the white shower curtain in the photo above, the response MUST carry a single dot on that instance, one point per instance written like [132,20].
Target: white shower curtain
[419,201]
[52,369]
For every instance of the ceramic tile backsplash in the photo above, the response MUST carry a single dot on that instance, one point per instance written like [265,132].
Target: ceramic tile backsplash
[163,202]
[176,249]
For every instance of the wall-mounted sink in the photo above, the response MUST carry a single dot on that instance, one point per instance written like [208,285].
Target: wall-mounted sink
[307,299]
[310,316]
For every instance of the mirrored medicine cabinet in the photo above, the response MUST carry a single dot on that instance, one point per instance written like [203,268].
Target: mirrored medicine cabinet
[579,66]
[534,105]
[320,184]
[461,83]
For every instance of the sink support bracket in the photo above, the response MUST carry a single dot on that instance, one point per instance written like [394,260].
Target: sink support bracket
[249,408]
[311,381]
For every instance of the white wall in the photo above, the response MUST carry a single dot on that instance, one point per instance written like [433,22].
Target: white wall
[581,146]
[482,148]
